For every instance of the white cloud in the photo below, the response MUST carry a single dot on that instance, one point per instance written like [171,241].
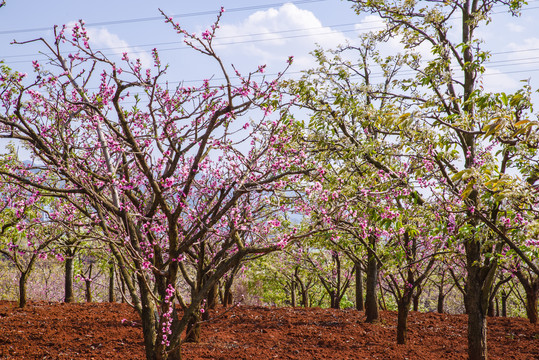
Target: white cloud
[103,38]
[393,45]
[371,23]
[522,61]
[525,44]
[107,42]
[493,80]
[515,28]
[270,36]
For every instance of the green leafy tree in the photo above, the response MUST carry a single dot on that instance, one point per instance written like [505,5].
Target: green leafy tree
[26,234]
[457,128]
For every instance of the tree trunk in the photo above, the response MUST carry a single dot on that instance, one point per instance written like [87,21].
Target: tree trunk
[88,290]
[441,298]
[382,299]
[416,298]
[212,297]
[359,289]
[505,296]
[88,285]
[292,293]
[371,300]
[477,334]
[305,298]
[123,289]
[112,270]
[478,288]
[193,329]
[149,320]
[402,319]
[303,289]
[335,300]
[68,278]
[211,301]
[490,311]
[531,302]
[228,298]
[531,287]
[335,292]
[23,280]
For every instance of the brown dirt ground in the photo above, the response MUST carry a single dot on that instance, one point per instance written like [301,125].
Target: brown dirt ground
[96,331]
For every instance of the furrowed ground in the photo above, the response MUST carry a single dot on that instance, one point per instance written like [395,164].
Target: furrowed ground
[108,331]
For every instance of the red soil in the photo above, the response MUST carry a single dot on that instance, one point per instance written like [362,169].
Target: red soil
[96,331]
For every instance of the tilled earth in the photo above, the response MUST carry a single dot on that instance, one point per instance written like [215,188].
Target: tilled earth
[113,331]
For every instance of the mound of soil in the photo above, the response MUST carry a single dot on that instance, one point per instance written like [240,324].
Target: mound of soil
[108,331]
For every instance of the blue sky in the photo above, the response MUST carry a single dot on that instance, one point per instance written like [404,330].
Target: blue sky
[329,22]
[139,37]
[252,33]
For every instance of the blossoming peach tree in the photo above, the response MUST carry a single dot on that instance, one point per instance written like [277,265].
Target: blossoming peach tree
[172,176]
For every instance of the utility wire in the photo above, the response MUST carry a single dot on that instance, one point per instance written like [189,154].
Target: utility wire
[500,63]
[206,12]
[235,37]
[135,51]
[154,18]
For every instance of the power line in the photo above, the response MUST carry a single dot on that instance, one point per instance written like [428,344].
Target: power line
[206,12]
[200,13]
[154,18]
[513,51]
[134,51]
[234,37]
[133,48]
[501,63]
[401,74]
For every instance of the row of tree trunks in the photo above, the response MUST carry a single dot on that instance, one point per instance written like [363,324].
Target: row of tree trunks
[69,296]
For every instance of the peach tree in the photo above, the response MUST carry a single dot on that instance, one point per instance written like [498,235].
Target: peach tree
[172,175]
